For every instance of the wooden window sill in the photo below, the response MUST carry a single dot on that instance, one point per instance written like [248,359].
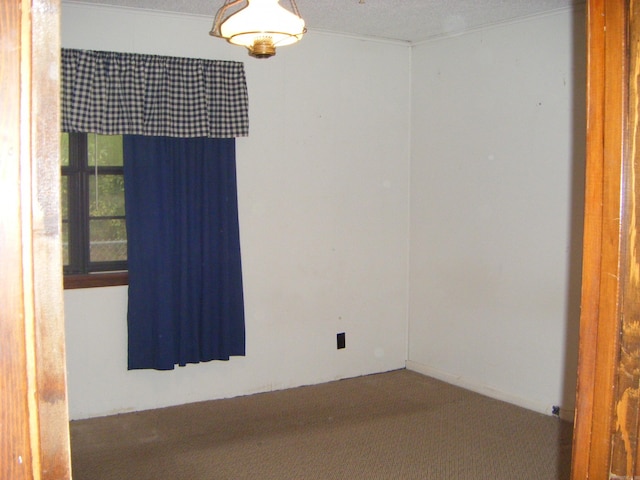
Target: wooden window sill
[96,280]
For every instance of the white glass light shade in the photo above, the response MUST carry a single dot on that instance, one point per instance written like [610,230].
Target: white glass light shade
[260,20]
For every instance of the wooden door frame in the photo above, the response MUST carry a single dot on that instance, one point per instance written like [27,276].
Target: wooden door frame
[606,425]
[34,426]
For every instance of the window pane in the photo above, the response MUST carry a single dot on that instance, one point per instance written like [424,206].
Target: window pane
[64,149]
[64,204]
[65,243]
[108,240]
[109,200]
[106,148]
[64,197]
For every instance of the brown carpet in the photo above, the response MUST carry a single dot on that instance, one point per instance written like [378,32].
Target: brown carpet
[396,425]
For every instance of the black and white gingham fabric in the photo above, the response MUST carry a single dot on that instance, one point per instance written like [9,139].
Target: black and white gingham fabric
[126,93]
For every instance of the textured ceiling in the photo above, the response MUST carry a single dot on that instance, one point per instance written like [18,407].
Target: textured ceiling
[404,20]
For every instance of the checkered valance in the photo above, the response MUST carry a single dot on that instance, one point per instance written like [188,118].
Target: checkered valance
[137,94]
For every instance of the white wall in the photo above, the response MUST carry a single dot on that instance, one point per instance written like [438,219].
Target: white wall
[493,121]
[323,198]
[496,202]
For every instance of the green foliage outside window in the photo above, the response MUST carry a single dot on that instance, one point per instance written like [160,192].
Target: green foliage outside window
[92,196]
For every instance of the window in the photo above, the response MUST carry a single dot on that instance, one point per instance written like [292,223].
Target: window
[94,236]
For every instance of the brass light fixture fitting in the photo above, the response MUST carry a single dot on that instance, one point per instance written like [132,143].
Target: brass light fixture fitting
[260,25]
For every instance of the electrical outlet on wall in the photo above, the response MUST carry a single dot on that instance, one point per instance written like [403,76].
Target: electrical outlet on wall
[341,341]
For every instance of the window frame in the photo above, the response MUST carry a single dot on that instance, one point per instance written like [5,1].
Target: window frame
[91,280]
[80,271]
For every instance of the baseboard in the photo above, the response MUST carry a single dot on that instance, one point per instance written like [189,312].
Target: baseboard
[565,414]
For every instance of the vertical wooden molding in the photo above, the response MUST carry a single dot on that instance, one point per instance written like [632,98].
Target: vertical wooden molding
[624,455]
[603,259]
[34,435]
[612,259]
[592,242]
[16,460]
[47,252]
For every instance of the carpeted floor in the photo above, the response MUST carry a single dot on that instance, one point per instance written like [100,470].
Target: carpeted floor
[396,425]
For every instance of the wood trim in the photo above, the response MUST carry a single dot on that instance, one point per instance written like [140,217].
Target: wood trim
[96,280]
[34,436]
[16,460]
[606,234]
[49,337]
[611,158]
[592,242]
[624,450]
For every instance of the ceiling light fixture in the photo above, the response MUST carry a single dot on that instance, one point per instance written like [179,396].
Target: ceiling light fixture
[261,25]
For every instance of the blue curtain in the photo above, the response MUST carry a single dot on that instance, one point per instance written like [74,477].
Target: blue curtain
[185,279]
